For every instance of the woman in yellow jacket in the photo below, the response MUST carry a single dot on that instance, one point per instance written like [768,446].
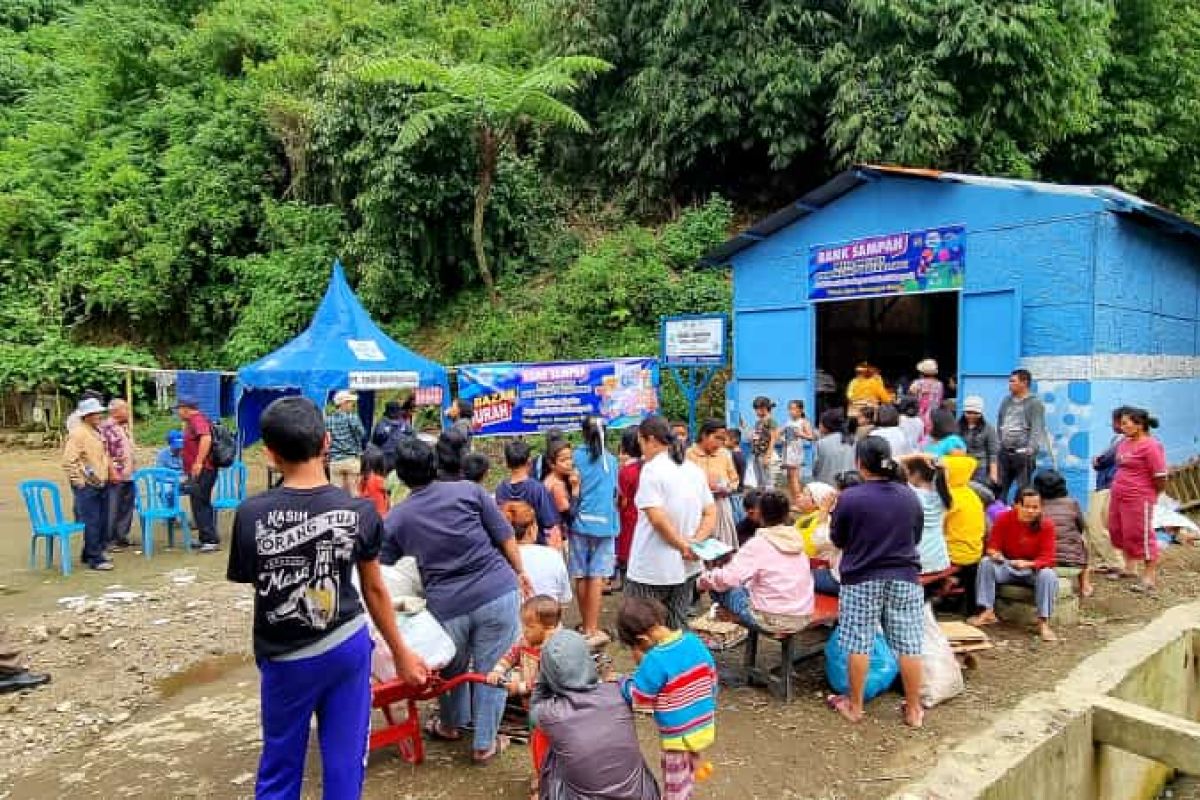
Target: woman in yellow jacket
[867,389]
[965,524]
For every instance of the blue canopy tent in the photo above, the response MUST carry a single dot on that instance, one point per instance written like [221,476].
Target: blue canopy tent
[342,348]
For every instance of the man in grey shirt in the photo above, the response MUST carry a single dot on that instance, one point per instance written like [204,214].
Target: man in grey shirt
[1022,425]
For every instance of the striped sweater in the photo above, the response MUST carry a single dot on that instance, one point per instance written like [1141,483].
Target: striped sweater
[677,680]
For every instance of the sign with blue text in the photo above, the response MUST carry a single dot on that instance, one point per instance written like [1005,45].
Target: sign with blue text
[929,260]
[695,340]
[517,399]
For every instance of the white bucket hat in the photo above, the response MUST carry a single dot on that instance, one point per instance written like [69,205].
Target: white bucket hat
[973,403]
[344,397]
[90,406]
[927,367]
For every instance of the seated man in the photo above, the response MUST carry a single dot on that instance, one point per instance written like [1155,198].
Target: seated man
[171,457]
[768,585]
[1020,549]
[13,676]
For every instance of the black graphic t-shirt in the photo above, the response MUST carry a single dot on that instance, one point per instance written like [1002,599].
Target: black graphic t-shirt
[299,548]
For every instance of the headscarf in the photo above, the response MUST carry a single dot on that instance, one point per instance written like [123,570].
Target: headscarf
[567,665]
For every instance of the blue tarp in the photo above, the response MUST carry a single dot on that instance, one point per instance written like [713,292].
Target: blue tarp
[203,387]
[342,348]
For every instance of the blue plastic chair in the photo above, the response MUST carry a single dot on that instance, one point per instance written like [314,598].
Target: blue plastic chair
[158,497]
[44,504]
[230,489]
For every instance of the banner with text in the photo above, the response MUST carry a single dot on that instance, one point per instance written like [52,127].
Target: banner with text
[930,260]
[515,399]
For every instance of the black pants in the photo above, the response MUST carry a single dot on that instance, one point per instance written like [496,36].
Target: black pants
[966,579]
[120,511]
[91,509]
[677,598]
[1015,469]
[201,490]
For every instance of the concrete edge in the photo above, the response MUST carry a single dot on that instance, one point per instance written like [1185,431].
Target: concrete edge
[984,759]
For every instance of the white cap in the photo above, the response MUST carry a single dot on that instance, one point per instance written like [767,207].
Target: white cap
[927,367]
[90,406]
[973,403]
[344,397]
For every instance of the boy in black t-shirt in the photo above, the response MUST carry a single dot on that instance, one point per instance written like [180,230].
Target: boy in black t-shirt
[299,544]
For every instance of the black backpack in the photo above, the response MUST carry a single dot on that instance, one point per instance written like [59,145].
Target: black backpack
[224,446]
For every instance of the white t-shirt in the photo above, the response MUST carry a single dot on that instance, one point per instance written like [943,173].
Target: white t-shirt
[547,571]
[897,438]
[684,494]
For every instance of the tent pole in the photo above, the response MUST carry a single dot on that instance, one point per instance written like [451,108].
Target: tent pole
[129,398]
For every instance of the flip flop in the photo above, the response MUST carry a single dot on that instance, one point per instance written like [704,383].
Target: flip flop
[434,730]
[982,623]
[841,704]
[1147,589]
[1121,576]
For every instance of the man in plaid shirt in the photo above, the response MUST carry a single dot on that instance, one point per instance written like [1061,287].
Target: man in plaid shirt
[346,437]
[118,439]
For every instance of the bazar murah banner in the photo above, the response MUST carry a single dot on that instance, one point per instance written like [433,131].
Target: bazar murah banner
[515,399]
[930,260]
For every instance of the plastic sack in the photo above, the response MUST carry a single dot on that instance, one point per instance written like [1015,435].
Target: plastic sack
[942,676]
[880,675]
[421,631]
[403,579]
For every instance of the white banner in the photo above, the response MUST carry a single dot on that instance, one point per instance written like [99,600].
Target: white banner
[367,381]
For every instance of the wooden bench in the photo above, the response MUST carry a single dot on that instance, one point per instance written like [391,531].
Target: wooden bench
[795,646]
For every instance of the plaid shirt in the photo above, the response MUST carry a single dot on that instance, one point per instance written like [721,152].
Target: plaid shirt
[119,443]
[346,435]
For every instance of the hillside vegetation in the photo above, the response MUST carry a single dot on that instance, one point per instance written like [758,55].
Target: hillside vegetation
[176,176]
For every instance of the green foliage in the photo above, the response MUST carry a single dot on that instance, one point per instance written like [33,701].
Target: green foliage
[57,365]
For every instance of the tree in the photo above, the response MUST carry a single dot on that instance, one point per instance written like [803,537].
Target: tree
[495,103]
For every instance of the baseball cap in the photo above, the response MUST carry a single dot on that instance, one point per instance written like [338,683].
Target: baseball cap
[973,403]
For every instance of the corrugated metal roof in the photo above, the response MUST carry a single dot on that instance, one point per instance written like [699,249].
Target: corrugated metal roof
[1115,200]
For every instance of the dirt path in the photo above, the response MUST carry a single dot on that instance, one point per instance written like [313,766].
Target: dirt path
[154,695]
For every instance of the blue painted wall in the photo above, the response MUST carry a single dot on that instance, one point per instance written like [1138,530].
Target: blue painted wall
[1090,283]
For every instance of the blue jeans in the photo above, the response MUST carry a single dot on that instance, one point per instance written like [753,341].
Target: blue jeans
[480,638]
[737,602]
[91,508]
[336,686]
[991,573]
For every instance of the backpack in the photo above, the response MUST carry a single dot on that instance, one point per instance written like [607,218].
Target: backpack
[224,446]
[388,433]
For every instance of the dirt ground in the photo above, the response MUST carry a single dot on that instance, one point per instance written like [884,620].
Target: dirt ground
[154,694]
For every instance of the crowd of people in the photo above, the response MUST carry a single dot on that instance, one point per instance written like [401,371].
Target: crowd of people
[903,503]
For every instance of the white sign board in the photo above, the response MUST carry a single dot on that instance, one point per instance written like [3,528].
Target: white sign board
[694,340]
[366,349]
[367,381]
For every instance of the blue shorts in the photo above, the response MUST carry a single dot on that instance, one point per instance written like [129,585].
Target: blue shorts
[591,556]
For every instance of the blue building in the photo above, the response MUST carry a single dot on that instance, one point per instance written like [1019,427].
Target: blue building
[1094,291]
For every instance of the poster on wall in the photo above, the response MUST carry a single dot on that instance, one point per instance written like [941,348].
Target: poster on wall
[517,399]
[929,260]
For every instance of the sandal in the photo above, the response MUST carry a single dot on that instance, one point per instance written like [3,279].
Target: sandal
[1121,576]
[841,704]
[1141,587]
[499,746]
[434,730]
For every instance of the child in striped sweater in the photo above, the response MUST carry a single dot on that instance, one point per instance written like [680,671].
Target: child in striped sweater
[676,678]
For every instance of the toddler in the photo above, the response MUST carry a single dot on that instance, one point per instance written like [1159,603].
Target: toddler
[372,479]
[517,670]
[676,678]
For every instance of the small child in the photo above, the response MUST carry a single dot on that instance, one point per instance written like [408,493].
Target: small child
[762,443]
[751,522]
[517,670]
[372,482]
[796,431]
[676,678]
[475,466]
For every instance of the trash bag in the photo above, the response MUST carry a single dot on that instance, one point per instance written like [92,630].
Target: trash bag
[421,631]
[880,675]
[942,676]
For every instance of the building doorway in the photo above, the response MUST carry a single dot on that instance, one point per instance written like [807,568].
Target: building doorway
[893,333]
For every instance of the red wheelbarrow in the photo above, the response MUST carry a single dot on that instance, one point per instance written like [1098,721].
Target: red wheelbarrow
[406,734]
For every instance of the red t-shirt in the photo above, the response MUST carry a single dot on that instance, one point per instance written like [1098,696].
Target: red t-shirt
[1138,464]
[193,429]
[374,489]
[627,486]
[1017,541]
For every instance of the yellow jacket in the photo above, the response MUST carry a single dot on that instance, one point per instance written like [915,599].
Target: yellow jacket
[965,524]
[870,391]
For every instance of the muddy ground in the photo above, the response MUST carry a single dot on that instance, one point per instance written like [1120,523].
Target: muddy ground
[154,694]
